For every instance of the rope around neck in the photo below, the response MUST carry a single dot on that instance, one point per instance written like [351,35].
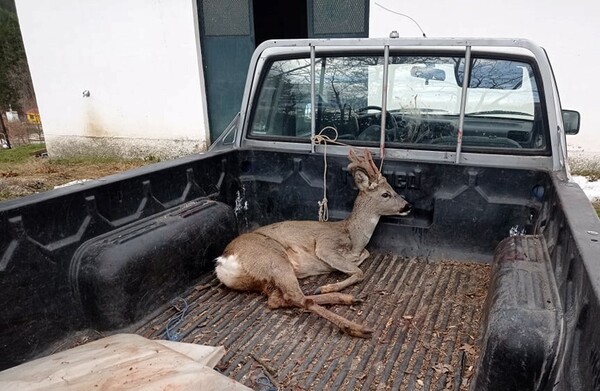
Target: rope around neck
[324,139]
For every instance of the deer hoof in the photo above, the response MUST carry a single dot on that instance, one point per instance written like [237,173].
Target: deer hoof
[317,291]
[357,301]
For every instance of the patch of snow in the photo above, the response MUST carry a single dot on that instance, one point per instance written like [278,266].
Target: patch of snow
[77,182]
[591,189]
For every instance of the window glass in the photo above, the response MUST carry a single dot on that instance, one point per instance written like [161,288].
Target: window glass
[423,102]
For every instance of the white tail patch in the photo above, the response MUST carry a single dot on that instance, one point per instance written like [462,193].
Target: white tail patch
[228,270]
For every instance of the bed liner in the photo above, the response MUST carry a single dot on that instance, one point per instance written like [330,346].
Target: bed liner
[426,316]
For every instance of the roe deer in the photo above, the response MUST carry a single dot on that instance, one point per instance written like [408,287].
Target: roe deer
[272,258]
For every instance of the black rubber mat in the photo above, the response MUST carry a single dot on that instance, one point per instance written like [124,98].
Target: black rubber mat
[426,318]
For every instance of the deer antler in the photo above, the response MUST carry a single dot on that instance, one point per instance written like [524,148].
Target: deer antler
[365,164]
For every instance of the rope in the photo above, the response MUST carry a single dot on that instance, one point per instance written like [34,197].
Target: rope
[324,139]
[182,307]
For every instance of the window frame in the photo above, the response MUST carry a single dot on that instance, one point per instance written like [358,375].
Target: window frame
[403,52]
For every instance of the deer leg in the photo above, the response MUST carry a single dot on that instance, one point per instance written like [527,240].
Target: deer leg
[276,300]
[345,264]
[292,295]
[363,255]
[347,326]
[334,298]
[338,286]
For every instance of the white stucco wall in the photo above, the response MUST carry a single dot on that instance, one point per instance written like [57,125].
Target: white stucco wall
[140,61]
[568,30]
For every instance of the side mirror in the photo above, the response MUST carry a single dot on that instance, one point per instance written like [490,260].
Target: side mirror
[571,120]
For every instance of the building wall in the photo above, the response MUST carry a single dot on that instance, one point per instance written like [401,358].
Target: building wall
[139,60]
[568,30]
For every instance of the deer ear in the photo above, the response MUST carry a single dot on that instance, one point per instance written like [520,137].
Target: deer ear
[361,179]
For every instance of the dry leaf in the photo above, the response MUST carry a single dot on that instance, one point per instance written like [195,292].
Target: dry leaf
[443,368]
[469,349]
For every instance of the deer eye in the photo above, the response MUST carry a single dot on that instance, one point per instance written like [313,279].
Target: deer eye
[386,195]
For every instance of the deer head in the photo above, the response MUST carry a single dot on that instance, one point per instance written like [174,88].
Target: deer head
[375,194]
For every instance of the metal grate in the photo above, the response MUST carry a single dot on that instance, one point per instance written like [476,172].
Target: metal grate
[225,17]
[339,16]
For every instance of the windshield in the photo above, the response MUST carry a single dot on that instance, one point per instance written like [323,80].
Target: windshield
[423,101]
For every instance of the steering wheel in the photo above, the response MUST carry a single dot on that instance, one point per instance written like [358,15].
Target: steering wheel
[372,133]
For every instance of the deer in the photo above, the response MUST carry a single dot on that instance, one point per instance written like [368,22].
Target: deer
[272,258]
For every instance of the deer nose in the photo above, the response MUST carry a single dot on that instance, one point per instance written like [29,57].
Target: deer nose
[406,209]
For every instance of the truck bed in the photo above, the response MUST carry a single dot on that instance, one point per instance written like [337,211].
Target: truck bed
[425,315]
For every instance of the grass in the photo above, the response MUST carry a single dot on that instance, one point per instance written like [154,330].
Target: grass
[589,169]
[24,153]
[22,173]
[596,206]
[19,154]
[585,167]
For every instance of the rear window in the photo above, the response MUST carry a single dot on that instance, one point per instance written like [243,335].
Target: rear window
[503,109]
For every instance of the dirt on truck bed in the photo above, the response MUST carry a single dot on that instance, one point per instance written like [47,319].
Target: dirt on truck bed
[425,315]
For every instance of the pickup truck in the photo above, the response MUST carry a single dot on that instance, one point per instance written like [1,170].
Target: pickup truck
[492,282]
